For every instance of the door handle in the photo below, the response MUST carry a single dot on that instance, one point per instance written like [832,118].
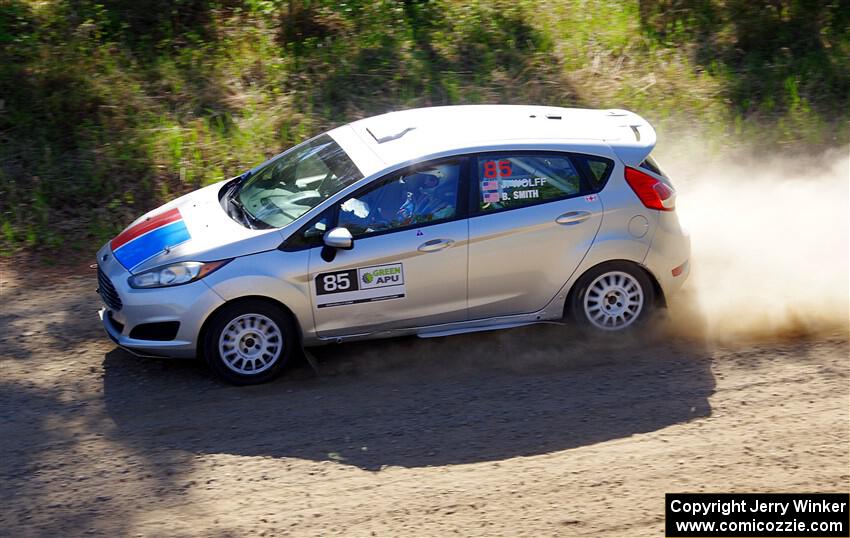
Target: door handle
[573,217]
[435,244]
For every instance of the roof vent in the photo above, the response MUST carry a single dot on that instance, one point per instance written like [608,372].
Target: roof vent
[553,116]
[389,136]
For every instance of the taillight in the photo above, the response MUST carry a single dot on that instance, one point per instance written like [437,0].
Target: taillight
[653,193]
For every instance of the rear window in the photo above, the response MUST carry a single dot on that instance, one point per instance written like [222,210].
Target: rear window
[650,164]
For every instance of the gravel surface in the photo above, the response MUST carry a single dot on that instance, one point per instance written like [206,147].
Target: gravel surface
[528,432]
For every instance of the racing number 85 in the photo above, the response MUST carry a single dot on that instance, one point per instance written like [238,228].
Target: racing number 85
[493,169]
[336,282]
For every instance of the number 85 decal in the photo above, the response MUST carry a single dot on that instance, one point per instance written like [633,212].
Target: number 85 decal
[494,169]
[337,282]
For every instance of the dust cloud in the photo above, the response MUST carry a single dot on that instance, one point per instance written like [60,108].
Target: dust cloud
[769,240]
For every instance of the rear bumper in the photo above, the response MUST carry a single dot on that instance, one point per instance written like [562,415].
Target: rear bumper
[669,255]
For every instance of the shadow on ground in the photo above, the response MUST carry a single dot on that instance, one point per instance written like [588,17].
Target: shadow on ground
[414,403]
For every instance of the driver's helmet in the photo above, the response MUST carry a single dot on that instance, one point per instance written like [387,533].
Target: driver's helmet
[420,193]
[422,182]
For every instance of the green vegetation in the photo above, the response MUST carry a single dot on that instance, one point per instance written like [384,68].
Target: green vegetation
[108,108]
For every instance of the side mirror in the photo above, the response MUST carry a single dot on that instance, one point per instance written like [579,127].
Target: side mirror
[339,238]
[336,239]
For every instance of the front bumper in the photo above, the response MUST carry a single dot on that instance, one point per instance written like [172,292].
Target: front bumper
[189,305]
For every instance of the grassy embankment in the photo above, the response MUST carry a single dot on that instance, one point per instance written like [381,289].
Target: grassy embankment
[109,108]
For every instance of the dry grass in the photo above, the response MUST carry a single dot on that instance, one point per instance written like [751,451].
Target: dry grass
[163,98]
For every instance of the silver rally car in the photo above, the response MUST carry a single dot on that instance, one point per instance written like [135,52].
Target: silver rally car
[433,221]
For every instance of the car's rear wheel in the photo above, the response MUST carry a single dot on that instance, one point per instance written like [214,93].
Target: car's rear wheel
[248,342]
[613,296]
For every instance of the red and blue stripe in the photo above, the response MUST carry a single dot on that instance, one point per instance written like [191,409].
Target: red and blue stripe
[149,237]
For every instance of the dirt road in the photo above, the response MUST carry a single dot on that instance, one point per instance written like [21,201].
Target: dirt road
[522,433]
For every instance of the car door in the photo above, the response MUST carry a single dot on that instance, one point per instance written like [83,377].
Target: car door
[534,217]
[407,267]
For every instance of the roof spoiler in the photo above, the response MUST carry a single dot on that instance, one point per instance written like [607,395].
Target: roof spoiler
[632,138]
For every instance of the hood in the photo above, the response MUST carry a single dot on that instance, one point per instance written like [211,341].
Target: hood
[193,227]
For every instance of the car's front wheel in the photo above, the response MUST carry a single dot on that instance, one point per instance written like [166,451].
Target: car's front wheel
[613,296]
[248,342]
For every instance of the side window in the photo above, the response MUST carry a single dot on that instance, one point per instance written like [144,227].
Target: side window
[598,168]
[510,181]
[428,194]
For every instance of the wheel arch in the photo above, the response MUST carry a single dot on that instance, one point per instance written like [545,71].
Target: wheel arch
[660,300]
[245,298]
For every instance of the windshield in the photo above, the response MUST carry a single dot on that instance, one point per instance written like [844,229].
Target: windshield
[297,181]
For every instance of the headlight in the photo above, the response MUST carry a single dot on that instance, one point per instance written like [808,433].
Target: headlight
[174,274]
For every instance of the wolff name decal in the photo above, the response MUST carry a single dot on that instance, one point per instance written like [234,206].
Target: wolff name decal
[361,285]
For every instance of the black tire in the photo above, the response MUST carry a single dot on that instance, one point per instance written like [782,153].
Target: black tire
[588,284]
[254,320]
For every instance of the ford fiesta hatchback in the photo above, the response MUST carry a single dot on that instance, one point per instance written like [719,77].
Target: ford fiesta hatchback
[433,222]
